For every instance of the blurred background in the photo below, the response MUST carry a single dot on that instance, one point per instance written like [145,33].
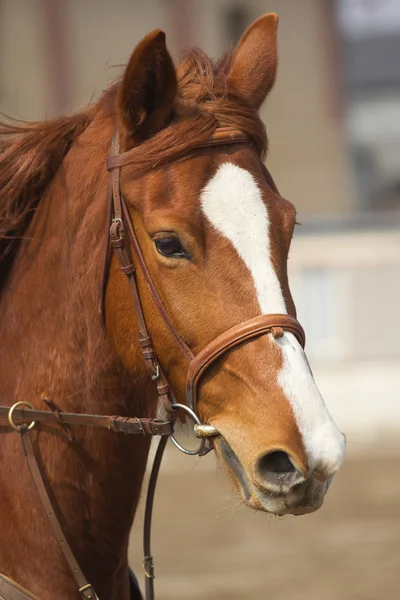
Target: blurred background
[334,126]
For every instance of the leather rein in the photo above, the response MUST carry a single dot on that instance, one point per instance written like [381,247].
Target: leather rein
[123,241]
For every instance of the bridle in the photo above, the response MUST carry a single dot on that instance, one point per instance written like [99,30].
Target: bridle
[121,225]
[124,242]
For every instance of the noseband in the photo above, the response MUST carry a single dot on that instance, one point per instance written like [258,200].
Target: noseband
[122,239]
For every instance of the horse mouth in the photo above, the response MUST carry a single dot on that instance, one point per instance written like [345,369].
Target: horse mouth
[304,498]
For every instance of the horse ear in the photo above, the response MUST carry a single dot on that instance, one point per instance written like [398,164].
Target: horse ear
[146,95]
[254,62]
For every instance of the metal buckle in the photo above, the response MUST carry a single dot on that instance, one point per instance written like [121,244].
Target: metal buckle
[117,227]
[148,567]
[10,416]
[88,588]
[156,375]
[197,422]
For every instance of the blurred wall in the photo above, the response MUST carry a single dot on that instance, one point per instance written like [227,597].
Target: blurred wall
[56,55]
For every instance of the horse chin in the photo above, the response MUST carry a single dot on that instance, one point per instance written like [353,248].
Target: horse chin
[304,498]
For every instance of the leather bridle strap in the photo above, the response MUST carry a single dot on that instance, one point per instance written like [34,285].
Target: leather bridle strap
[122,219]
[115,424]
[275,324]
[219,137]
[186,351]
[148,564]
[122,251]
[86,590]
[106,257]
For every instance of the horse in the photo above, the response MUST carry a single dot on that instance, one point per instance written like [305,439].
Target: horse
[212,327]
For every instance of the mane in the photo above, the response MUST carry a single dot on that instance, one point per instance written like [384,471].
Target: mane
[31,153]
[30,156]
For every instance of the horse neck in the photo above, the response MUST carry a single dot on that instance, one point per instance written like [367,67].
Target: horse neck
[49,325]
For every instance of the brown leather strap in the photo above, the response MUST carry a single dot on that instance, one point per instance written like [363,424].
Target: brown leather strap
[116,424]
[274,324]
[122,251]
[86,590]
[9,590]
[221,136]
[154,293]
[148,565]
[106,256]
[121,220]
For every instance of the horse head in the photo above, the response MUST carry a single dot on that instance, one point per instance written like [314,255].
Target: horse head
[215,235]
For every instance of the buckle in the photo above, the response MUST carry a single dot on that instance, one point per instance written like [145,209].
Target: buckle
[87,592]
[148,567]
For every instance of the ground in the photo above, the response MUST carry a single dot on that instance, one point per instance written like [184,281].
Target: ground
[207,546]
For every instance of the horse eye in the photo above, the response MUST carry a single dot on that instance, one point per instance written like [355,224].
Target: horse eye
[170,247]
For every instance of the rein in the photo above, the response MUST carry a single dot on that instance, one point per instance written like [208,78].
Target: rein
[122,239]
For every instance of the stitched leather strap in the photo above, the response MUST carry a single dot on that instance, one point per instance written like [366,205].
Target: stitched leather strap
[106,255]
[121,220]
[274,324]
[86,590]
[155,295]
[221,136]
[123,254]
[116,424]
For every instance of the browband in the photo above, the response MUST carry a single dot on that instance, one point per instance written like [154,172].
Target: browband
[221,136]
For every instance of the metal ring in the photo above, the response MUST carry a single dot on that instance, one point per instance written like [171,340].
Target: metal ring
[10,415]
[196,421]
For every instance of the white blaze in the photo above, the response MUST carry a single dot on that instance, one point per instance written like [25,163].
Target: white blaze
[232,202]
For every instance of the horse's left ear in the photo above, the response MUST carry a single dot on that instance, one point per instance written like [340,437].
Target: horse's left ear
[148,89]
[254,62]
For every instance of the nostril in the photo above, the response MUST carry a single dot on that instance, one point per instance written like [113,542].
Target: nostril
[275,462]
[276,472]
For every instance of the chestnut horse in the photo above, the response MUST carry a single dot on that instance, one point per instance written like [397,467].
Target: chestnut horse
[215,236]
